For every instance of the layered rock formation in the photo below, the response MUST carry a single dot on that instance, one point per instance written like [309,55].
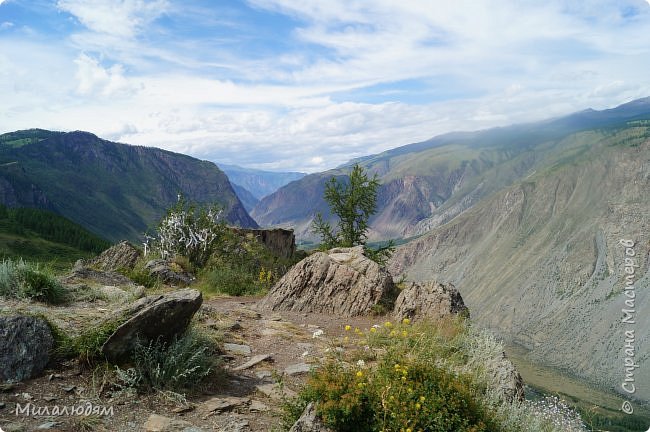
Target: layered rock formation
[429,300]
[341,281]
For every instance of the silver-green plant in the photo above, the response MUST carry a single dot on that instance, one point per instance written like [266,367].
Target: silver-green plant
[174,366]
[189,231]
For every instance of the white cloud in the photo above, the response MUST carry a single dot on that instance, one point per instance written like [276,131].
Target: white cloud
[93,79]
[6,24]
[121,18]
[476,64]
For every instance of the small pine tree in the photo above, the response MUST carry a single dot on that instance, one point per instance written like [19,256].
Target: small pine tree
[354,201]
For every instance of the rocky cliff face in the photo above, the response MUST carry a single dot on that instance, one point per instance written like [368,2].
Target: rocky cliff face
[541,264]
[115,190]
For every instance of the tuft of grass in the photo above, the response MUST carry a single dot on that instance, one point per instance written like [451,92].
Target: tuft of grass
[140,275]
[87,347]
[20,279]
[170,366]
[229,279]
[87,423]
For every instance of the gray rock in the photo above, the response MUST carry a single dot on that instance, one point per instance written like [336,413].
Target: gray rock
[165,271]
[149,318]
[341,281]
[120,256]
[83,274]
[429,300]
[506,379]
[252,362]
[158,423]
[237,348]
[25,342]
[47,425]
[257,406]
[309,421]
[217,404]
[275,391]
[13,427]
[297,369]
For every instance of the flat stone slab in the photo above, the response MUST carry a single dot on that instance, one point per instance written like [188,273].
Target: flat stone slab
[237,348]
[257,406]
[216,405]
[274,391]
[158,423]
[252,362]
[297,369]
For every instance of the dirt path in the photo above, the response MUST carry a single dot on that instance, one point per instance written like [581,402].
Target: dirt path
[246,400]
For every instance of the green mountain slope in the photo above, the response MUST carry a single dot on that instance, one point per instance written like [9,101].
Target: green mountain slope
[39,235]
[114,190]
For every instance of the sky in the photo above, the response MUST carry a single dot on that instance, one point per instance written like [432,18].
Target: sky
[295,85]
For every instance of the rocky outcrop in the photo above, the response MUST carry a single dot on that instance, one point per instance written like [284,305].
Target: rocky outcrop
[506,379]
[120,256]
[25,342]
[82,274]
[168,272]
[164,316]
[430,300]
[281,242]
[309,421]
[341,281]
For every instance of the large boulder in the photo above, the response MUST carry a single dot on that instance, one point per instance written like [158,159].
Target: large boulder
[309,421]
[430,300]
[506,379]
[25,343]
[341,281]
[164,316]
[120,256]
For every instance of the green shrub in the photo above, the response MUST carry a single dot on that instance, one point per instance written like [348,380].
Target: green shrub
[173,366]
[229,280]
[19,279]
[428,376]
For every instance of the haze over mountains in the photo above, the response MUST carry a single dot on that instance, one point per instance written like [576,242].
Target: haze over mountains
[251,185]
[525,221]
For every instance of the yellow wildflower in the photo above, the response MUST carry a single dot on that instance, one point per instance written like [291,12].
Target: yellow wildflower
[359,374]
[388,324]
[373,329]
[406,321]
[348,328]
[404,333]
[422,398]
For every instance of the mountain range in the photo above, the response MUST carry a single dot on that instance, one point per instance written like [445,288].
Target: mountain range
[251,185]
[117,191]
[525,221]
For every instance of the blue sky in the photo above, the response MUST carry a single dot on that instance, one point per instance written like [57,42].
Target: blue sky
[307,85]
